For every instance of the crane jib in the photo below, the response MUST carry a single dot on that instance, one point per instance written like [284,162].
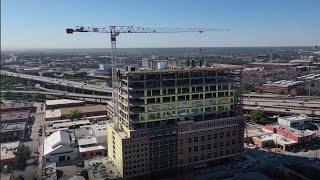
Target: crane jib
[114,32]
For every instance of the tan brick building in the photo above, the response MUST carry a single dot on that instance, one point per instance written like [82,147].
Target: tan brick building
[177,119]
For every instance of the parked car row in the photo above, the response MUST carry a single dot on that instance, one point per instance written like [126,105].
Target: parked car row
[40,131]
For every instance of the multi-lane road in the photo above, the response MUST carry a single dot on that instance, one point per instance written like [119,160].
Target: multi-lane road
[60,82]
[85,97]
[283,104]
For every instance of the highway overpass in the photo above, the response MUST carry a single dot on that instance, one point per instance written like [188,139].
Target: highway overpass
[66,85]
[280,104]
[84,97]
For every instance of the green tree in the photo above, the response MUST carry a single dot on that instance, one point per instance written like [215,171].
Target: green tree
[259,116]
[23,153]
[7,95]
[313,127]
[74,114]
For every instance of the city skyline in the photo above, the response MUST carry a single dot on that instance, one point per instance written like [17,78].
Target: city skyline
[35,24]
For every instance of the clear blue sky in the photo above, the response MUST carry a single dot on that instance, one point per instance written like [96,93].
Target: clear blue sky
[42,23]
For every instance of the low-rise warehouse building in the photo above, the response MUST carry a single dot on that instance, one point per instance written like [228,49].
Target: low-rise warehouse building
[101,168]
[13,117]
[92,142]
[52,115]
[283,137]
[63,103]
[57,148]
[271,66]
[49,172]
[281,87]
[85,111]
[12,131]
[271,140]
[295,121]
[10,107]
[7,155]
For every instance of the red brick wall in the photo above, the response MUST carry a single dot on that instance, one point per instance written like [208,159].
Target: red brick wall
[288,134]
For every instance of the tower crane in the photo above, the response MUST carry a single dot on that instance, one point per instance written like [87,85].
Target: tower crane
[114,31]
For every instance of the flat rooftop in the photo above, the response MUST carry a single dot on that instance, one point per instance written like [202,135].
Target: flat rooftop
[87,141]
[13,126]
[99,130]
[7,149]
[8,106]
[71,123]
[83,109]
[279,139]
[93,148]
[296,117]
[101,168]
[49,172]
[53,113]
[12,116]
[216,67]
[255,132]
[296,132]
[62,102]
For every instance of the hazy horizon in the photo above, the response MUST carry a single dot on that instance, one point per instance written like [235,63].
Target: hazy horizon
[35,24]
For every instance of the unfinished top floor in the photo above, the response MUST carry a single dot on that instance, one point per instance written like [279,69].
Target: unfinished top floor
[162,74]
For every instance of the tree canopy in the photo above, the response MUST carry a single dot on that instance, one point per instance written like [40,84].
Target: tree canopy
[23,153]
[259,116]
[74,114]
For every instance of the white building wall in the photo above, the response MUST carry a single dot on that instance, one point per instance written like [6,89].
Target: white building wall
[283,122]
[54,157]
[145,62]
[290,123]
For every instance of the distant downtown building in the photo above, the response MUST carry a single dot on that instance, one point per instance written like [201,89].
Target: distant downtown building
[176,119]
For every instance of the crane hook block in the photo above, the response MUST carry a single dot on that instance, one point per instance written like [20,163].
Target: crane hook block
[70,31]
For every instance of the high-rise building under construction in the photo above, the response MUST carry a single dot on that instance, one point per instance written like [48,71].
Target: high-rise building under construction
[176,119]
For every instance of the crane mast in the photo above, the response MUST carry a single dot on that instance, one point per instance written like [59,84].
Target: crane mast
[114,31]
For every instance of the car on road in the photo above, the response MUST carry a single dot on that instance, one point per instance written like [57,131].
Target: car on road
[245,166]
[80,163]
[280,155]
[318,161]
[287,109]
[248,163]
